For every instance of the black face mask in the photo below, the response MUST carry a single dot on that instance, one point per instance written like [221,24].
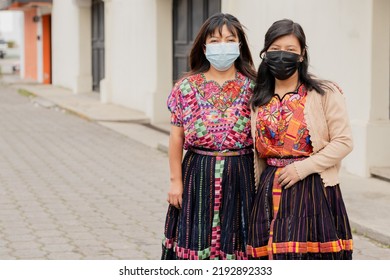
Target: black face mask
[282,64]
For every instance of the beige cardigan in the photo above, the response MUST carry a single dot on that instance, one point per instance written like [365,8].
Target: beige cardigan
[330,133]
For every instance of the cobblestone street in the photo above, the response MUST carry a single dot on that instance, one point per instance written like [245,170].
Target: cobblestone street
[72,189]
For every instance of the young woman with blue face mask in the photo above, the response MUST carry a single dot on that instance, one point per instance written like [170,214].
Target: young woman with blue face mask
[212,188]
[301,133]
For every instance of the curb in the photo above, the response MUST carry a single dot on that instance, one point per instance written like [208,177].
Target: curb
[369,233]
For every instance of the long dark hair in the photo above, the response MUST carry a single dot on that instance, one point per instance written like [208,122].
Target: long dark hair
[265,81]
[198,60]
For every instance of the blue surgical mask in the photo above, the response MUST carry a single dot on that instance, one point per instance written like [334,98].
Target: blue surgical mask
[222,55]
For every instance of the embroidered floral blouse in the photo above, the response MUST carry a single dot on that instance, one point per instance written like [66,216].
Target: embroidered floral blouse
[213,116]
[281,127]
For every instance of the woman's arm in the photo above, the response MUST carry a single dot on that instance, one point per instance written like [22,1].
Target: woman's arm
[340,137]
[176,142]
[340,142]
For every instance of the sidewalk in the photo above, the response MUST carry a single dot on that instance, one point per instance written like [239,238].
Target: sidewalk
[131,123]
[367,199]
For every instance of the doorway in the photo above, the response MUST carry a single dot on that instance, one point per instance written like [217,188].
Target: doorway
[97,43]
[188,17]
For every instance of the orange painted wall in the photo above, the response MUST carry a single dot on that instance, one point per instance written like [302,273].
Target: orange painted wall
[30,45]
[46,29]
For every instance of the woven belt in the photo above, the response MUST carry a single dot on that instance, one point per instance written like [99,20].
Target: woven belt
[224,153]
[282,162]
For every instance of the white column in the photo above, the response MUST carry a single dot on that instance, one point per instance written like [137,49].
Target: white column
[84,73]
[71,45]
[105,84]
[159,113]
[378,130]
[22,47]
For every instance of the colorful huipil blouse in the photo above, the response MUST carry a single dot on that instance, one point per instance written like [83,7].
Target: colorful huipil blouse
[302,222]
[214,117]
[280,132]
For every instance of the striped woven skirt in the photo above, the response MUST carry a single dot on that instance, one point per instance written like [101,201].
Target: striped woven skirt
[217,200]
[306,221]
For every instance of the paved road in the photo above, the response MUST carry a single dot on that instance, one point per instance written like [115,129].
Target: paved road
[73,189]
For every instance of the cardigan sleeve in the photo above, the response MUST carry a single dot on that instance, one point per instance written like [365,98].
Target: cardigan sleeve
[338,141]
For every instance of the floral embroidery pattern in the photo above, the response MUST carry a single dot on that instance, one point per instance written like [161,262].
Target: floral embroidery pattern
[222,97]
[272,124]
[213,116]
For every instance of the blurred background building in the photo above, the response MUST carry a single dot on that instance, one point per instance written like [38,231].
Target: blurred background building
[31,32]
[130,52]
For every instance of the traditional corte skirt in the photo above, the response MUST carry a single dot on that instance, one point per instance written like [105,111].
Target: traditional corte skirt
[306,221]
[218,191]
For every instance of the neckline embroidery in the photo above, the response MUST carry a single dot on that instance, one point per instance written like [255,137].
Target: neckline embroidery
[222,96]
[300,90]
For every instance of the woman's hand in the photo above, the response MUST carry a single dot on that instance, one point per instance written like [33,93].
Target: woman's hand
[175,194]
[288,176]
[176,142]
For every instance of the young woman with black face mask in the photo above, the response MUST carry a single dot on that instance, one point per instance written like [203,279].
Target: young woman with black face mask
[301,133]
[212,188]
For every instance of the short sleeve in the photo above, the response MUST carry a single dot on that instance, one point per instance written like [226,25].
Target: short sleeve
[175,106]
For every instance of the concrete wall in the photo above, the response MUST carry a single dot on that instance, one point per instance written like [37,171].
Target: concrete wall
[138,52]
[71,45]
[138,55]
[130,51]
[378,128]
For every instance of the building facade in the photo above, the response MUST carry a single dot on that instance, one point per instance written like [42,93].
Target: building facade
[35,52]
[349,43]
[129,52]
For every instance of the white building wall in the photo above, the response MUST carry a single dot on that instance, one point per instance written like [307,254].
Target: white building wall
[22,48]
[340,44]
[378,130]
[348,43]
[133,53]
[138,52]
[164,70]
[71,45]
[106,94]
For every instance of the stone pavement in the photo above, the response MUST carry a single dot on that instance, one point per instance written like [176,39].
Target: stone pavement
[73,189]
[81,191]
